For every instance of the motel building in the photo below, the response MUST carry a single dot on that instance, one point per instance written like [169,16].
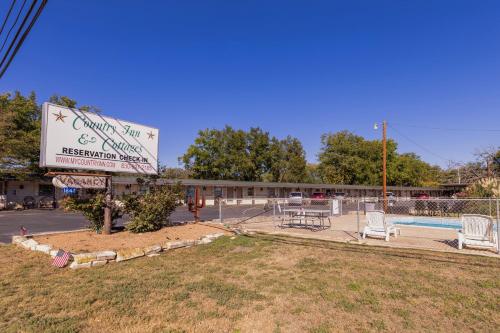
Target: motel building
[233,192]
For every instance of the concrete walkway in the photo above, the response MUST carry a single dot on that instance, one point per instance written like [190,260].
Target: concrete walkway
[345,229]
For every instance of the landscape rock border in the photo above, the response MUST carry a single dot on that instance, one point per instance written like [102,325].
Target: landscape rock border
[100,258]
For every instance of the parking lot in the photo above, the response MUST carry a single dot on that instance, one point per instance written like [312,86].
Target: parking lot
[42,220]
[38,220]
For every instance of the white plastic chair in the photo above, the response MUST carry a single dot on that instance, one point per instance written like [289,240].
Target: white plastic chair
[377,226]
[477,231]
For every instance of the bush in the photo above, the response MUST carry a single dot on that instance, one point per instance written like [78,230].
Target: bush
[150,211]
[484,188]
[92,209]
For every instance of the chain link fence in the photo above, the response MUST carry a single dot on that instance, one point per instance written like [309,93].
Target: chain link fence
[432,222]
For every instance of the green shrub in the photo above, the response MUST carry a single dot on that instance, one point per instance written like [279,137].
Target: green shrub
[150,211]
[484,188]
[92,209]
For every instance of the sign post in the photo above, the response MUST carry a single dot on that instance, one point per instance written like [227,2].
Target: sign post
[107,210]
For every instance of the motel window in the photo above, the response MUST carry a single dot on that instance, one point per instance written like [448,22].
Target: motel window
[218,192]
[45,190]
[250,191]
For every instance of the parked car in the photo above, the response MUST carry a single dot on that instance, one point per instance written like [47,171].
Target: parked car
[46,202]
[296,198]
[339,195]
[421,196]
[319,198]
[29,202]
[318,195]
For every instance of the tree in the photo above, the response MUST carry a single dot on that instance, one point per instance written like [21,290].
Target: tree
[346,158]
[218,154]
[238,155]
[409,170]
[20,123]
[258,145]
[496,163]
[175,173]
[313,175]
[288,160]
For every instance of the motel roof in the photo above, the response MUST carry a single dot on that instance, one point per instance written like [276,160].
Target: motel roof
[238,183]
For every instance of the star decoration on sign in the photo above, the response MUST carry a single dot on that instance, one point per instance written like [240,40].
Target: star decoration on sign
[151,135]
[59,116]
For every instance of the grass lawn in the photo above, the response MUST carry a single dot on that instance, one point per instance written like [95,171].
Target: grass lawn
[254,284]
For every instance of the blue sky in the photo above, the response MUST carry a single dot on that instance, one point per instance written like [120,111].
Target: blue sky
[291,67]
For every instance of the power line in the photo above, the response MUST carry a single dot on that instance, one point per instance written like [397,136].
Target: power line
[25,34]
[13,25]
[467,129]
[7,17]
[419,145]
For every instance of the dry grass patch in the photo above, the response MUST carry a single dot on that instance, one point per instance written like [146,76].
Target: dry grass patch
[254,284]
[88,241]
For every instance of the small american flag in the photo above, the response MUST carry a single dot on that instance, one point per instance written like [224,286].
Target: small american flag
[61,259]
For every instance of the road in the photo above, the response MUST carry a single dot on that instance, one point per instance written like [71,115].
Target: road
[41,220]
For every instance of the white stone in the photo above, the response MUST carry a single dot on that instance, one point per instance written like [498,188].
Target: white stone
[83,258]
[128,254]
[205,240]
[105,255]
[153,255]
[45,248]
[215,236]
[29,244]
[174,245]
[75,265]
[152,249]
[53,253]
[99,263]
[189,242]
[18,239]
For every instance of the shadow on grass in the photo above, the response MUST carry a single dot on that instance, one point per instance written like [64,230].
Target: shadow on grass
[455,258]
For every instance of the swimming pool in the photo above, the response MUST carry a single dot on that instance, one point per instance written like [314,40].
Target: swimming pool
[427,222]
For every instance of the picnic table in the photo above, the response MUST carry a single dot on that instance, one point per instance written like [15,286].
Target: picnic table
[299,216]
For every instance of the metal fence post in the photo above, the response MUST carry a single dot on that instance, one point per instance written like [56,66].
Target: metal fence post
[220,210]
[498,225]
[357,219]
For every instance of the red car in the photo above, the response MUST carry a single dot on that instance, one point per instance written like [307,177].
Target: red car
[318,198]
[318,195]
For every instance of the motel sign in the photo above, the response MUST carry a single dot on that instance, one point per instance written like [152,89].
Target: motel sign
[75,139]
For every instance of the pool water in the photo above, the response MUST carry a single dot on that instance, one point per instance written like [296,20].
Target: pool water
[429,222]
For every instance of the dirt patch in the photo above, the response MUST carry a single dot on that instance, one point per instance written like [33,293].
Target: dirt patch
[88,241]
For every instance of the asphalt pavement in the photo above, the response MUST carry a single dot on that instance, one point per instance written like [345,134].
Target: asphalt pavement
[46,220]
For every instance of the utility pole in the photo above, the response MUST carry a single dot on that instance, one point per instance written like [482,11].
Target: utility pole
[384,163]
